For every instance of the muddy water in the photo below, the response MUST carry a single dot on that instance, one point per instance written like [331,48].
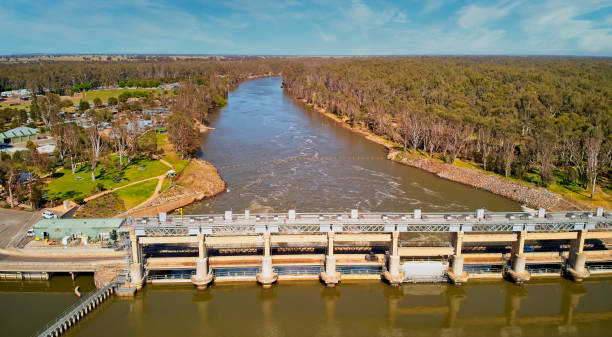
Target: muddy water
[276,155]
[549,308]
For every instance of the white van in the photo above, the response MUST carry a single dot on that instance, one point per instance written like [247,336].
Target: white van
[49,215]
[30,232]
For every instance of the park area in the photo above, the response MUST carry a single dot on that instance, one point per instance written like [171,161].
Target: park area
[116,190]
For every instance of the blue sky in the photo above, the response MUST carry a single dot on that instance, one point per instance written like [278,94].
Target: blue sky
[318,27]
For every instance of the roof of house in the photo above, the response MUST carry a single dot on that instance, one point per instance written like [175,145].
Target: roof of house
[79,223]
[18,132]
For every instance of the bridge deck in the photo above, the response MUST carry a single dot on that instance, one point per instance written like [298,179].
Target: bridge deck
[312,223]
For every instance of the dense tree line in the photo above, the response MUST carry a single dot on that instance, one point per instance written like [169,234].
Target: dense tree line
[514,115]
[61,76]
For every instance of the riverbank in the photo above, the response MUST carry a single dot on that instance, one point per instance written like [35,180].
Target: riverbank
[529,196]
[198,180]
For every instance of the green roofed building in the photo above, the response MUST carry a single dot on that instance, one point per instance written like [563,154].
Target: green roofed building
[95,229]
[18,135]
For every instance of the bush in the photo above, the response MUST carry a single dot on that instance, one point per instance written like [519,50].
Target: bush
[100,187]
[79,200]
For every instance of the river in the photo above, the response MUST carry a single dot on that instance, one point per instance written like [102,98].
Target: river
[293,158]
[259,125]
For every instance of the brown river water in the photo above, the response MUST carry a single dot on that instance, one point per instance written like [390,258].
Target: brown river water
[275,155]
[263,128]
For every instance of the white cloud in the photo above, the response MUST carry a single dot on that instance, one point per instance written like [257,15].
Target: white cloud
[432,5]
[401,17]
[328,37]
[475,16]
[558,24]
[360,16]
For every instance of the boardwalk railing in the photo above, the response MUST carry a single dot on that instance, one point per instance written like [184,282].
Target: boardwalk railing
[77,310]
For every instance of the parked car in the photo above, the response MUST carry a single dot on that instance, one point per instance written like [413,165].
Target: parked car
[30,232]
[49,215]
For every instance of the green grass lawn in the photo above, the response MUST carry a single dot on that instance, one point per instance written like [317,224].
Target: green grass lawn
[171,157]
[65,185]
[136,194]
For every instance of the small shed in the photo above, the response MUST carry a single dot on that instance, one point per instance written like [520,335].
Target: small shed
[56,229]
[18,135]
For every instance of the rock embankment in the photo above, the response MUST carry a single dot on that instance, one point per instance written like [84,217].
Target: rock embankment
[532,197]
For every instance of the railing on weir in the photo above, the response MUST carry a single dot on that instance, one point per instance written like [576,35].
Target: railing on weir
[542,271]
[599,268]
[236,272]
[426,278]
[293,223]
[360,270]
[78,306]
[172,276]
[295,270]
[483,269]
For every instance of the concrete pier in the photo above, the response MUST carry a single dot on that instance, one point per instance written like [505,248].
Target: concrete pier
[202,278]
[266,277]
[136,270]
[577,258]
[456,274]
[518,273]
[394,275]
[330,276]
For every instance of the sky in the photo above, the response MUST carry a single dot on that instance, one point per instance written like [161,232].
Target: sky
[298,27]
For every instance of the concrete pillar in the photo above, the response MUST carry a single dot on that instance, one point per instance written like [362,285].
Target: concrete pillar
[202,278]
[135,248]
[577,258]
[330,243]
[267,276]
[136,275]
[518,273]
[394,275]
[456,274]
[458,264]
[330,276]
[202,253]
[518,263]
[330,264]
[457,241]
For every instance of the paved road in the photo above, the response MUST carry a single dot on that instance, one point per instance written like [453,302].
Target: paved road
[14,224]
[59,259]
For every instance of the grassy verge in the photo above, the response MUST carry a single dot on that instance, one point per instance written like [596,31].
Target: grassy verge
[169,155]
[65,185]
[136,194]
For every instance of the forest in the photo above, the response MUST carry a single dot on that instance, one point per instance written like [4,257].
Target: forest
[543,120]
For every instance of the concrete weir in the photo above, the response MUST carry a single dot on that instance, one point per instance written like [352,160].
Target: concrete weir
[336,238]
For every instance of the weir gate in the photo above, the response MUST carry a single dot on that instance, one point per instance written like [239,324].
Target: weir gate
[395,247]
